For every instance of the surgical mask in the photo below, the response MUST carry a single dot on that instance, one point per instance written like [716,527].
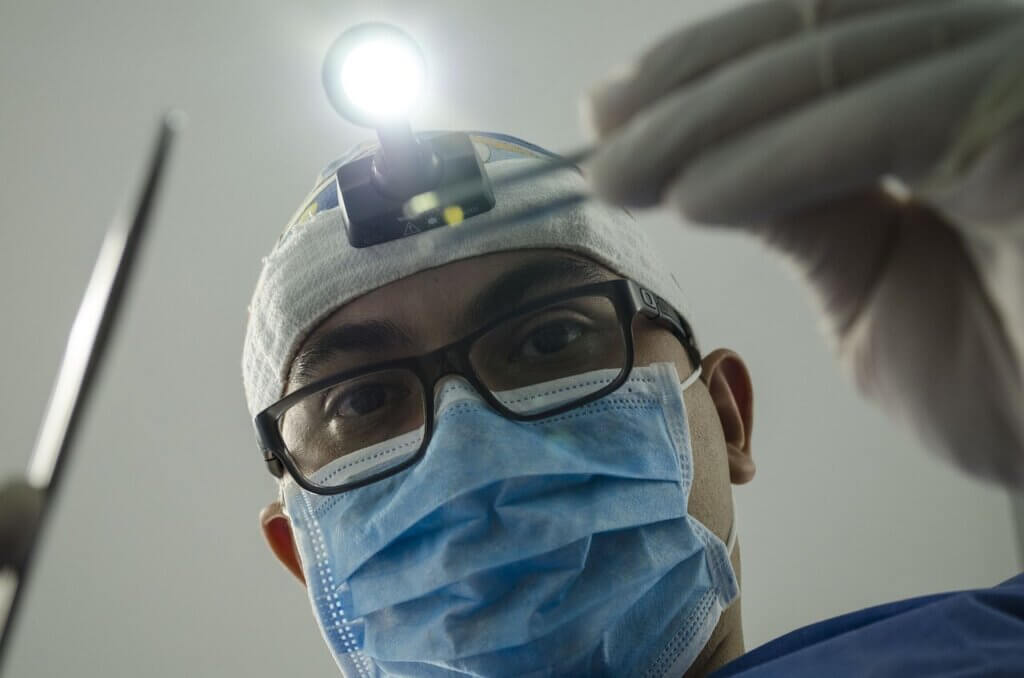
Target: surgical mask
[560,546]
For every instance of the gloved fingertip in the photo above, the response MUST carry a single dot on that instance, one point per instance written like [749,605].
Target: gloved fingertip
[594,115]
[611,180]
[605,190]
[606,105]
[590,122]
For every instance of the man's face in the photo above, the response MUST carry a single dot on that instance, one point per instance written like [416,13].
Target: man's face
[436,307]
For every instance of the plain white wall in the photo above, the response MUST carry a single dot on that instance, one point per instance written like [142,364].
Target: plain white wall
[153,564]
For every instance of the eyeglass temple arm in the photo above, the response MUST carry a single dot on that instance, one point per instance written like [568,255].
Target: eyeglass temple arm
[661,312]
[274,465]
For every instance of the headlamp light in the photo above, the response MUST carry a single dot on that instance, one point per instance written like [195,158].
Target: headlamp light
[373,74]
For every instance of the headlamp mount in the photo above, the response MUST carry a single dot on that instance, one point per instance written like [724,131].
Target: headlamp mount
[373,190]
[371,75]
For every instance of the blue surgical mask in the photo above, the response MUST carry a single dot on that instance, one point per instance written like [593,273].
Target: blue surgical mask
[560,546]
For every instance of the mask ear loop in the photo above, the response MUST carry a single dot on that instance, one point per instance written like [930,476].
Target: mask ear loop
[730,541]
[690,380]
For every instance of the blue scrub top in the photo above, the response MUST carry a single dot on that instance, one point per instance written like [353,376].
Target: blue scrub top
[966,633]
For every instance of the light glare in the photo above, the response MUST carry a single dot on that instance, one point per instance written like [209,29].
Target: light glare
[382,77]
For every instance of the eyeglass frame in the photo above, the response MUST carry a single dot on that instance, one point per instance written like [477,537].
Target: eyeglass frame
[627,296]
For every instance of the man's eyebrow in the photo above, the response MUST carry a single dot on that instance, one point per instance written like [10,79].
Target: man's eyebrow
[366,336]
[516,285]
[508,290]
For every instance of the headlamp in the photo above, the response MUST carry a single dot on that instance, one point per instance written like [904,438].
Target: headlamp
[373,75]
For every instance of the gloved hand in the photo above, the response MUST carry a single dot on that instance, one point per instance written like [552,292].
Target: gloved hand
[790,119]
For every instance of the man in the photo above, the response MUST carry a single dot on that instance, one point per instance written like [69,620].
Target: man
[501,452]
[436,288]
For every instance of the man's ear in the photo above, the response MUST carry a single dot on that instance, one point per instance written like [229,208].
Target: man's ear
[728,382]
[277,530]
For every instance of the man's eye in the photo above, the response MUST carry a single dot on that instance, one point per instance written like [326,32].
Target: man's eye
[550,339]
[366,399]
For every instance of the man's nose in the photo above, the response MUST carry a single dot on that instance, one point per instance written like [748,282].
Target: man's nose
[449,367]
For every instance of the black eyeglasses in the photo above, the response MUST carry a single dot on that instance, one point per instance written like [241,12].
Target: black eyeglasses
[360,426]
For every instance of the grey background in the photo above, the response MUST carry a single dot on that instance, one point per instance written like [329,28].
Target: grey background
[153,564]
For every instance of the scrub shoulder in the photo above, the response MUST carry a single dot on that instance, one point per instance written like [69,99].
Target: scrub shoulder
[976,632]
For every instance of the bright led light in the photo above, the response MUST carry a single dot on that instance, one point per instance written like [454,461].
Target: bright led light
[383,78]
[373,74]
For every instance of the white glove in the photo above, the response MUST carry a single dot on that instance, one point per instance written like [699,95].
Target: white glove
[784,118]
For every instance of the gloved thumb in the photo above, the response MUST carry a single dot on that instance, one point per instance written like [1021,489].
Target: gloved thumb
[912,324]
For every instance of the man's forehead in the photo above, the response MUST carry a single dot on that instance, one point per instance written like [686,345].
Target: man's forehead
[440,291]
[433,305]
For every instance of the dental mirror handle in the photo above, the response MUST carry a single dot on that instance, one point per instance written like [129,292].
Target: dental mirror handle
[25,503]
[427,201]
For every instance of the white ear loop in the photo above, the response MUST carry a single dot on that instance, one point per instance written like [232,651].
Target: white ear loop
[730,541]
[689,381]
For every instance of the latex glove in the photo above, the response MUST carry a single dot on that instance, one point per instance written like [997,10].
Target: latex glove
[784,117]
